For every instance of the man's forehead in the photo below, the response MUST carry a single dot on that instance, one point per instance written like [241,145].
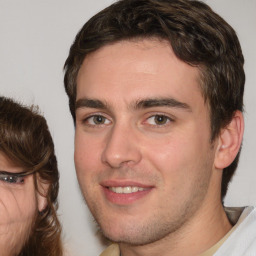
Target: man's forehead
[144,70]
[144,54]
[132,45]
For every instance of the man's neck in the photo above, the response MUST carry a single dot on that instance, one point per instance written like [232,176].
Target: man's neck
[206,228]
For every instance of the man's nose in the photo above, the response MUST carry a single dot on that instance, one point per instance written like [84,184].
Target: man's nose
[122,147]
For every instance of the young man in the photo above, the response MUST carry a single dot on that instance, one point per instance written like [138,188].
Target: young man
[156,92]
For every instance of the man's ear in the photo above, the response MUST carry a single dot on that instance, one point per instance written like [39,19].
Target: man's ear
[229,141]
[41,194]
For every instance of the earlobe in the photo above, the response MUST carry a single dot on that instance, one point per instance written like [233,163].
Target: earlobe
[41,202]
[41,194]
[229,141]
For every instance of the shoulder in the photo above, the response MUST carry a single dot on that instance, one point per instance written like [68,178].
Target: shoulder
[242,242]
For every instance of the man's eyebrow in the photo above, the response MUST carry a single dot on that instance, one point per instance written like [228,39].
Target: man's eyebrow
[90,103]
[161,102]
[139,104]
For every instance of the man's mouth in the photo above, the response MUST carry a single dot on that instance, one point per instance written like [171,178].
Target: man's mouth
[126,190]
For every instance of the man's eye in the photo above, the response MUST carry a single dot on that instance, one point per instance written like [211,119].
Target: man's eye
[158,120]
[11,179]
[97,120]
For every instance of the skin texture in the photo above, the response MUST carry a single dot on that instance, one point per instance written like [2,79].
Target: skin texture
[18,207]
[141,121]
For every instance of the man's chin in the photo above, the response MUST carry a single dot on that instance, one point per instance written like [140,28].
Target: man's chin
[117,236]
[128,238]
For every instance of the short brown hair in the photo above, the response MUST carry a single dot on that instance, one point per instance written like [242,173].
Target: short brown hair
[26,140]
[198,36]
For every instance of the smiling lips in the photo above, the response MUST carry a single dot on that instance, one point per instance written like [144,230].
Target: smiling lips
[125,194]
[126,190]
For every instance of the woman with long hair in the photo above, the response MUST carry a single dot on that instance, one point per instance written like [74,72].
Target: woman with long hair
[29,183]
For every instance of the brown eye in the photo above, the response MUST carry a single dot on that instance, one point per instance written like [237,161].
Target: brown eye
[160,119]
[99,119]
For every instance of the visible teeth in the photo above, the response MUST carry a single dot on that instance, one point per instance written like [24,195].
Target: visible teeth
[125,190]
[119,190]
[135,189]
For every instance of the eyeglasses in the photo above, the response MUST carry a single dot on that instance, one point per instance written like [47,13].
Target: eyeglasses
[14,178]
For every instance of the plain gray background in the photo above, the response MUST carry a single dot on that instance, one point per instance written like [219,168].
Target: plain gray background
[35,37]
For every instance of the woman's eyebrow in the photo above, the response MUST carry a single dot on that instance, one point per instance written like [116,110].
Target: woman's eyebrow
[17,174]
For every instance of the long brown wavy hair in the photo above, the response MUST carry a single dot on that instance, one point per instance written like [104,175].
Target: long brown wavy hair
[25,139]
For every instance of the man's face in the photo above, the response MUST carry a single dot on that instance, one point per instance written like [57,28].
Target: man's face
[143,155]
[18,207]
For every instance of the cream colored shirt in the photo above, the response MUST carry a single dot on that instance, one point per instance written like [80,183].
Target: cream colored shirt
[233,214]
[112,250]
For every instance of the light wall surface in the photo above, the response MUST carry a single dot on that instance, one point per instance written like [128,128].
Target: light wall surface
[35,37]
